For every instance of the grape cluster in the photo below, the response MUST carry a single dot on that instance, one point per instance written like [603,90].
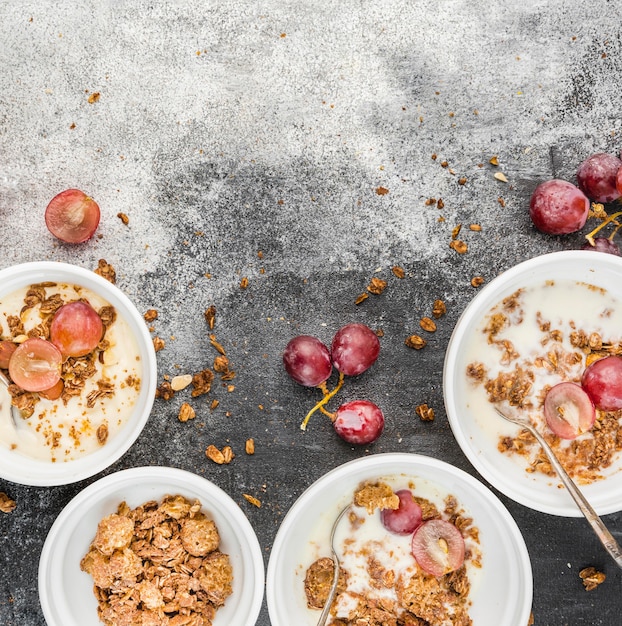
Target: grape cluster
[437,545]
[558,207]
[569,408]
[354,349]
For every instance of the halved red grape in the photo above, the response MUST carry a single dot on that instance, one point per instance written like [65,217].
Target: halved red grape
[76,329]
[406,518]
[557,207]
[602,244]
[72,216]
[359,422]
[35,365]
[602,381]
[568,410]
[596,177]
[354,349]
[6,350]
[307,360]
[55,392]
[438,547]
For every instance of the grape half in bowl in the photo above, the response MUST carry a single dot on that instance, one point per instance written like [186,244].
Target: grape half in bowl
[68,438]
[535,326]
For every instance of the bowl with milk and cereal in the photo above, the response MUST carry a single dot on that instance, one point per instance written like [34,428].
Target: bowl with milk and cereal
[81,373]
[543,341]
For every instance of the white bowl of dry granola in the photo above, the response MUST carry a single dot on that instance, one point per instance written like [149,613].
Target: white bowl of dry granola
[82,369]
[537,325]
[386,577]
[148,542]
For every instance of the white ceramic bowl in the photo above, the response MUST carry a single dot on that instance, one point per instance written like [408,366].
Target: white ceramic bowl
[26,470]
[66,592]
[477,430]
[501,591]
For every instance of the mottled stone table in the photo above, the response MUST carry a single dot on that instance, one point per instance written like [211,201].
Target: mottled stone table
[298,144]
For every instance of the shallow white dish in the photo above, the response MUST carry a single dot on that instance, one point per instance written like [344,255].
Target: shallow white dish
[66,592]
[25,470]
[474,430]
[502,590]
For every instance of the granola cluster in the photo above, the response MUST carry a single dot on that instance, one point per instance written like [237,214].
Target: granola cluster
[158,565]
[564,354]
[397,595]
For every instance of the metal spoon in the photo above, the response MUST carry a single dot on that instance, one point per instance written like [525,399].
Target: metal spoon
[15,412]
[606,538]
[333,587]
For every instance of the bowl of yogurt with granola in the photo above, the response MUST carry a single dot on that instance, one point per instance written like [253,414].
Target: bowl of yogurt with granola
[81,373]
[529,344]
[420,542]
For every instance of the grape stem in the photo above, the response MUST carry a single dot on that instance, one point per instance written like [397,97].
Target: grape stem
[608,220]
[320,405]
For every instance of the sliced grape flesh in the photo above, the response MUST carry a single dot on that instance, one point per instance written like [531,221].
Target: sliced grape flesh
[72,216]
[307,360]
[406,518]
[35,365]
[568,410]
[438,547]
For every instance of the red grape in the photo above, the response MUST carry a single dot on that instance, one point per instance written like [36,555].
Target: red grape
[355,348]
[602,381]
[36,365]
[359,422]
[438,547]
[596,177]
[406,518]
[55,392]
[619,181]
[307,360]
[568,410]
[6,350]
[72,216]
[603,244]
[76,329]
[558,207]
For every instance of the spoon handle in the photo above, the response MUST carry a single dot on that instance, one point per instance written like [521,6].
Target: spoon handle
[606,538]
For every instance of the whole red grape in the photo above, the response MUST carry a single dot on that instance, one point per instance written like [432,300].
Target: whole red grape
[354,349]
[307,360]
[359,422]
[602,244]
[602,380]
[596,177]
[557,207]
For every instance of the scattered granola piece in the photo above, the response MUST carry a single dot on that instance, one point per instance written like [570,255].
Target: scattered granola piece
[102,434]
[254,501]
[202,382]
[105,270]
[124,218]
[462,180]
[459,246]
[376,285]
[6,504]
[425,413]
[216,345]
[439,309]
[361,298]
[186,412]
[150,315]
[164,391]
[250,446]
[244,283]
[501,201]
[501,176]
[455,231]
[181,382]
[398,271]
[210,316]
[214,404]
[440,204]
[158,344]
[427,324]
[494,160]
[591,578]
[416,342]
[221,364]
[94,97]
[214,454]
[382,191]
[477,281]
[476,228]
[227,454]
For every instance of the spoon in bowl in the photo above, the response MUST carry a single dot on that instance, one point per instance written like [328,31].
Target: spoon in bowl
[335,558]
[605,537]
[15,412]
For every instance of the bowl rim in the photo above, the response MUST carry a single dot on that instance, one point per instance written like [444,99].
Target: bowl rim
[472,311]
[24,470]
[243,530]
[379,460]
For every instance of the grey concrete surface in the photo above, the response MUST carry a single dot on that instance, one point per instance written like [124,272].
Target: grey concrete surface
[229,129]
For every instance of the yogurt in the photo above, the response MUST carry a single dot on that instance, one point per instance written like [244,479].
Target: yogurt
[71,427]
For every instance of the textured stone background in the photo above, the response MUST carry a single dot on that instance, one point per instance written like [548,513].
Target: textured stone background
[227,128]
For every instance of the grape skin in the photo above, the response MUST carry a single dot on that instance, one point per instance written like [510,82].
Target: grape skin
[307,360]
[603,244]
[354,349]
[434,556]
[35,365]
[72,216]
[602,381]
[406,518]
[76,329]
[568,410]
[6,351]
[557,207]
[596,177]
[359,422]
